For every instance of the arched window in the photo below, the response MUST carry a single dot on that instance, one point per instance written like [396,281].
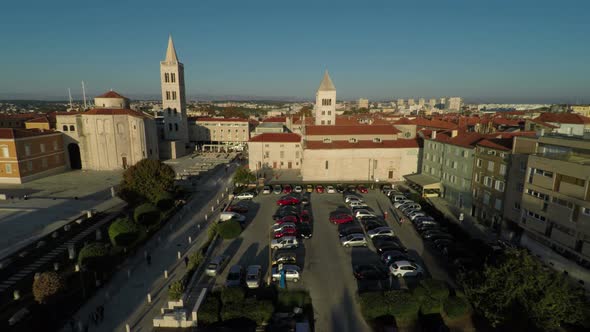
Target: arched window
[72,128]
[65,128]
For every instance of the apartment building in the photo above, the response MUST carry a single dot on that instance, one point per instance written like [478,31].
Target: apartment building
[556,198]
[219,130]
[275,151]
[30,154]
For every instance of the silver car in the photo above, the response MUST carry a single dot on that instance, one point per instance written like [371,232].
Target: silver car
[216,265]
[253,276]
[284,242]
[292,273]
[266,190]
[354,240]
[380,231]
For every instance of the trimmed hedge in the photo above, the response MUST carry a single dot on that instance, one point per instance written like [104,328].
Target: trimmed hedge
[456,307]
[209,310]
[164,201]
[124,232]
[146,214]
[431,294]
[229,229]
[94,256]
[287,299]
[175,290]
[398,303]
[232,295]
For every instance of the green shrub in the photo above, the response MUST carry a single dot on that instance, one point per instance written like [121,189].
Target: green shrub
[437,289]
[288,299]
[212,231]
[164,201]
[175,290]
[229,229]
[94,257]
[195,259]
[146,214]
[456,307]
[123,232]
[232,295]
[431,294]
[209,310]
[373,305]
[403,306]
[258,311]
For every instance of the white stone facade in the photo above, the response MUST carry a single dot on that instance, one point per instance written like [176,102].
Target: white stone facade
[325,102]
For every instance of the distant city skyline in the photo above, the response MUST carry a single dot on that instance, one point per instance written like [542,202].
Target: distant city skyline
[496,52]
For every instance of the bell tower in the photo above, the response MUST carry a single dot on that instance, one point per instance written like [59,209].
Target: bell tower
[325,102]
[173,96]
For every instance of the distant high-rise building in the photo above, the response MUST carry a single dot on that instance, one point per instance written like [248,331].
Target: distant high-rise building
[411,102]
[400,102]
[173,96]
[325,102]
[454,103]
[363,103]
[421,102]
[432,102]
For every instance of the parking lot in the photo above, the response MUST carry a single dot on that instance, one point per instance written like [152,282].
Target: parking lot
[327,266]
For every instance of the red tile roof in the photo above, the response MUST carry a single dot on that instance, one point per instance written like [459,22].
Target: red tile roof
[545,124]
[110,94]
[507,122]
[115,111]
[10,133]
[276,137]
[276,119]
[19,116]
[359,129]
[42,119]
[363,144]
[571,118]
[504,144]
[463,139]
[206,119]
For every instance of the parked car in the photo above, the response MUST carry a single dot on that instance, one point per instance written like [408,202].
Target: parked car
[413,206]
[287,219]
[277,189]
[372,224]
[285,242]
[286,210]
[288,200]
[383,230]
[286,231]
[436,234]
[357,204]
[216,265]
[330,190]
[354,240]
[287,189]
[406,269]
[394,255]
[304,230]
[284,257]
[351,188]
[339,188]
[266,190]
[253,276]
[427,227]
[369,272]
[292,273]
[277,227]
[353,209]
[425,219]
[298,189]
[363,218]
[305,216]
[305,200]
[309,188]
[349,198]
[362,213]
[341,218]
[246,195]
[235,276]
[353,229]
[319,189]
[362,189]
[397,198]
[415,214]
[441,244]
[397,204]
[238,208]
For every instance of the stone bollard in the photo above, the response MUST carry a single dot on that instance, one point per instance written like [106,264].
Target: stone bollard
[56,266]
[72,252]
[54,235]
[16,295]
[149,298]
[37,275]
[218,201]
[113,193]
[179,255]
[127,328]
[205,217]
[165,274]
[212,208]
[198,227]
[222,194]
[190,240]
[77,268]
[98,235]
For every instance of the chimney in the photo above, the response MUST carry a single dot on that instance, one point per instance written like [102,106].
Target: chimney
[454,133]
[434,134]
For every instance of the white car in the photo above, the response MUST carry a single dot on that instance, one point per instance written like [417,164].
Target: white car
[397,204]
[350,198]
[380,231]
[298,189]
[357,204]
[363,213]
[292,273]
[416,214]
[280,227]
[354,240]
[406,269]
[253,275]
[266,190]
[245,195]
[228,215]
[330,190]
[285,242]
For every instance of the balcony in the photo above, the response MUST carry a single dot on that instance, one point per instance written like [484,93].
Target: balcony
[559,212]
[543,182]
[536,225]
[571,190]
[532,203]
[563,238]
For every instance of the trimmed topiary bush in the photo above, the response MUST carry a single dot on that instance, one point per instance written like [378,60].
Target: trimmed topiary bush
[164,201]
[146,214]
[47,286]
[176,290]
[94,257]
[456,307]
[195,259]
[229,229]
[124,232]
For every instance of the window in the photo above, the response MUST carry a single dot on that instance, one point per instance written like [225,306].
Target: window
[296,154]
[534,215]
[326,102]
[542,172]
[8,168]
[5,152]
[176,126]
[486,198]
[562,202]
[329,122]
[573,180]
[502,169]
[352,140]
[323,122]
[490,166]
[498,204]
[42,147]
[522,166]
[465,154]
[537,194]
[323,112]
[173,95]
[326,164]
[478,162]
[266,145]
[585,210]
[266,154]
[454,164]
[64,128]
[391,177]
[168,98]
[282,153]
[516,206]
[376,140]
[30,165]
[327,140]
[499,185]
[169,127]
[329,112]
[166,77]
[487,181]
[172,77]
[55,145]
[72,128]
[27,149]
[44,162]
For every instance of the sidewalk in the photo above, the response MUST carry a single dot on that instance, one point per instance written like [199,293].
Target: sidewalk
[124,297]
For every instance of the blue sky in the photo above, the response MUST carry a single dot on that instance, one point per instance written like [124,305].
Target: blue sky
[483,50]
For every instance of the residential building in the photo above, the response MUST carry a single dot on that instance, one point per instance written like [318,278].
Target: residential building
[325,104]
[363,103]
[400,103]
[223,131]
[571,124]
[28,154]
[275,151]
[432,102]
[269,127]
[16,120]
[421,102]
[581,109]
[556,198]
[454,104]
[411,102]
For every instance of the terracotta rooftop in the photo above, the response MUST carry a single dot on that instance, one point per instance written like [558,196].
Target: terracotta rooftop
[463,139]
[206,119]
[276,137]
[10,133]
[571,118]
[115,111]
[19,116]
[359,129]
[363,144]
[545,124]
[110,94]
[504,144]
[275,119]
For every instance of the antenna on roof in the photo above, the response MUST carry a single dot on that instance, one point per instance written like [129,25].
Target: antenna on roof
[70,94]
[84,94]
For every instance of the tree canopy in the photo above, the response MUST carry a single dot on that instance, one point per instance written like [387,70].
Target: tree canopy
[146,181]
[244,176]
[94,257]
[46,286]
[519,286]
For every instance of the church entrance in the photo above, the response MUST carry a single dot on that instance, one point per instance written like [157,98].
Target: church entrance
[74,154]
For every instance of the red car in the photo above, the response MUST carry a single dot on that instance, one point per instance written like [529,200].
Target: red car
[238,208]
[362,189]
[285,219]
[319,189]
[286,231]
[341,218]
[287,189]
[305,217]
[288,200]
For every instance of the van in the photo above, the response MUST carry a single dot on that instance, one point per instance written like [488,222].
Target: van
[228,215]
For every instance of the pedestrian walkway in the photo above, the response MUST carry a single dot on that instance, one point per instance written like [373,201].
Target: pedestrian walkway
[125,297]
